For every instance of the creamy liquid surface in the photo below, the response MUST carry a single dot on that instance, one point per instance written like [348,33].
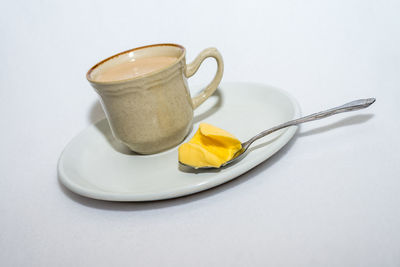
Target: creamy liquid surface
[131,69]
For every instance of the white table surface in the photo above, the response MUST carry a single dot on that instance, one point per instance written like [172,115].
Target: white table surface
[329,198]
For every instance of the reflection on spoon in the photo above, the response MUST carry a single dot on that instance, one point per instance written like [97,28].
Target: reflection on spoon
[212,147]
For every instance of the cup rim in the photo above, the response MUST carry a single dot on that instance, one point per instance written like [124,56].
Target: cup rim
[136,77]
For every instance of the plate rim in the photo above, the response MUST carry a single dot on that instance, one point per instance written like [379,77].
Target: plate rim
[129,197]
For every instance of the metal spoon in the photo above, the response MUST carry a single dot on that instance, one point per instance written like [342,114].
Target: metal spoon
[354,105]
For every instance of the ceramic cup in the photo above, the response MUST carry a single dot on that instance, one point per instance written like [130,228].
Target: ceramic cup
[153,112]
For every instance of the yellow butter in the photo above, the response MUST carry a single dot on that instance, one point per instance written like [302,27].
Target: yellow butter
[209,147]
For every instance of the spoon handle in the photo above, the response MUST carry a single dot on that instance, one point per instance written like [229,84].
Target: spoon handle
[353,105]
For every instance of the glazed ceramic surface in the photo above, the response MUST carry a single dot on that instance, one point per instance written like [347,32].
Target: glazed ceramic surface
[153,112]
[94,165]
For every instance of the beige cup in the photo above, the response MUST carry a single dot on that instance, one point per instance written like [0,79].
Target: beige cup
[154,111]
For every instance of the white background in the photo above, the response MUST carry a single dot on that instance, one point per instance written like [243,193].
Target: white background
[329,198]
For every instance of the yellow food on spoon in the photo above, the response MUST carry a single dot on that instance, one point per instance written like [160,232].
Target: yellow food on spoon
[209,147]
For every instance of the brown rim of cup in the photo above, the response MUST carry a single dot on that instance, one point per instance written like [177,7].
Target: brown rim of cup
[128,51]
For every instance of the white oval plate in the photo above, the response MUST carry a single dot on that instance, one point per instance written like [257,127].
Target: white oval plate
[94,165]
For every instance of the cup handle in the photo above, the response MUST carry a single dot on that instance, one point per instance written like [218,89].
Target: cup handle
[192,68]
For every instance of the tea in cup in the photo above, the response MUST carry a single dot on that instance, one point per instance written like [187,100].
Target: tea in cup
[145,95]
